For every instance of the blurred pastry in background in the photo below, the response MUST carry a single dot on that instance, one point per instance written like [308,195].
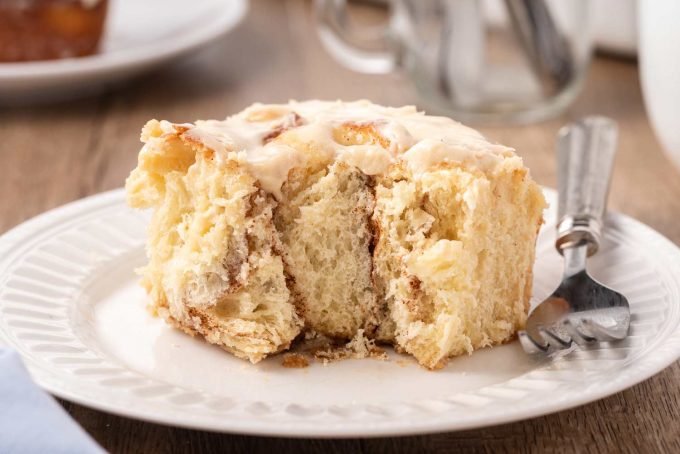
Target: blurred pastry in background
[50,29]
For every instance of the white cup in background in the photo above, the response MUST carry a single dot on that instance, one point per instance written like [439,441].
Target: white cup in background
[659,60]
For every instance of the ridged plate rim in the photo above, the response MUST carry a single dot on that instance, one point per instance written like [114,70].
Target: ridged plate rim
[297,420]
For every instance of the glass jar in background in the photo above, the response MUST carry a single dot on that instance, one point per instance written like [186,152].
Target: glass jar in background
[490,61]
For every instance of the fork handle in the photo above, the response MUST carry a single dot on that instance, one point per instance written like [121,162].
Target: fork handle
[585,157]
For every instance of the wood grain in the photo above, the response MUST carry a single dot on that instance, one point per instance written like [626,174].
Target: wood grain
[57,153]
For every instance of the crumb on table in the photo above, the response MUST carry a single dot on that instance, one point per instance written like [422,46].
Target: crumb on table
[294,360]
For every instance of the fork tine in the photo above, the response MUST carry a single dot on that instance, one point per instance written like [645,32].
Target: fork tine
[601,333]
[576,333]
[530,345]
[553,338]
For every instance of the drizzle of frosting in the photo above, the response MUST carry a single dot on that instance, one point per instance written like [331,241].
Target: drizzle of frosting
[429,152]
[371,159]
[361,134]
[271,164]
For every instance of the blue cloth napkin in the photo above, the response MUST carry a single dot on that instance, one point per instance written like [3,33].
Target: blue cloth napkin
[31,421]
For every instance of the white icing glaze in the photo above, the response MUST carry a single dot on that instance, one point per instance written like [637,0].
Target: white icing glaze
[270,165]
[385,135]
[470,150]
[371,159]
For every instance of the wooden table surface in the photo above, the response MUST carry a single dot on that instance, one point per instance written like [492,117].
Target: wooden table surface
[54,154]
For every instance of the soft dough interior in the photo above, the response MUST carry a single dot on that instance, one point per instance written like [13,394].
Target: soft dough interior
[454,258]
[327,240]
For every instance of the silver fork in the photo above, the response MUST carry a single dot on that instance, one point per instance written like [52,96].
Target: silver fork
[580,310]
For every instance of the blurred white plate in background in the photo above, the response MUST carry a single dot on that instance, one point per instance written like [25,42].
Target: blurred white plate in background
[139,35]
[71,305]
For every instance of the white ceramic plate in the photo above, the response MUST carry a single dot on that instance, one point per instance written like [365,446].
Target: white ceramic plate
[70,304]
[139,35]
